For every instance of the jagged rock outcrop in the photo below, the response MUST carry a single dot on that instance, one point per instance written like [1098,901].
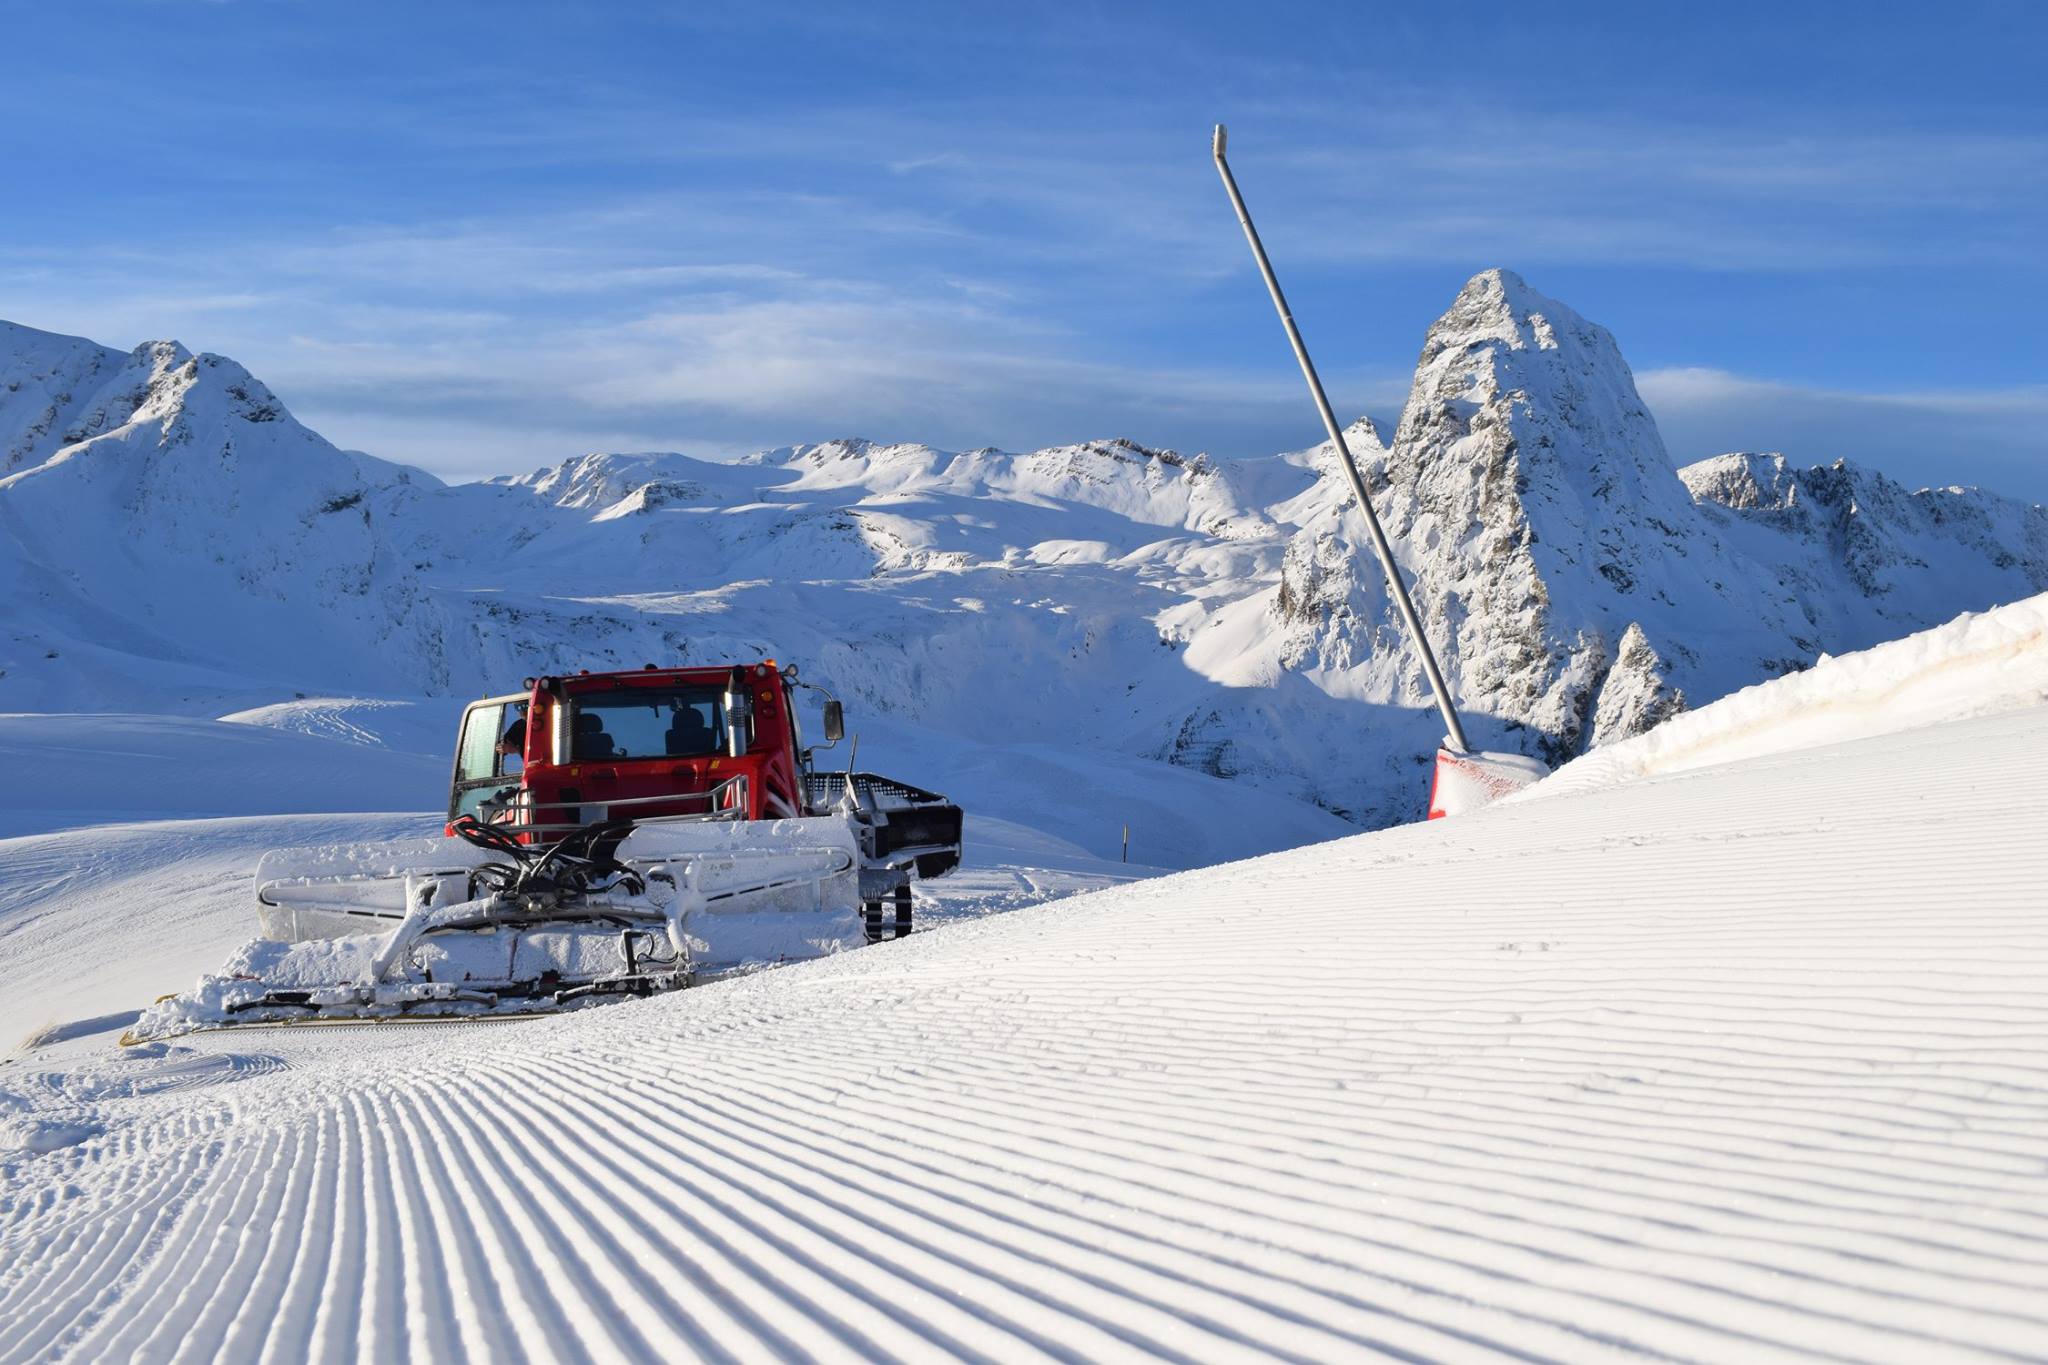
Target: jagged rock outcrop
[611,483]
[1635,692]
[1870,557]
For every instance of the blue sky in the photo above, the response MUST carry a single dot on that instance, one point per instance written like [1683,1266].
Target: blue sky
[483,237]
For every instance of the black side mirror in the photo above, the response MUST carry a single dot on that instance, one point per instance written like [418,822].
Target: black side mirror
[835,722]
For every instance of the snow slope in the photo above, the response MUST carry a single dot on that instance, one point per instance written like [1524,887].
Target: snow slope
[1747,1062]
[412,727]
[173,534]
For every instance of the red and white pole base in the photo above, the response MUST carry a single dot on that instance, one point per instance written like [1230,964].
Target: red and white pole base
[1466,781]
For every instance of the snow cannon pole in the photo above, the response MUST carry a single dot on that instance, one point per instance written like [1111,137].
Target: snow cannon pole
[1454,736]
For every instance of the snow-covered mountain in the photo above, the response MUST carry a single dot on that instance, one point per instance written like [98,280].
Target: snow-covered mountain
[180,543]
[171,533]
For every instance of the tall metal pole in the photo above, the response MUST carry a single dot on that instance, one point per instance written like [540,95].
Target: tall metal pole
[1455,733]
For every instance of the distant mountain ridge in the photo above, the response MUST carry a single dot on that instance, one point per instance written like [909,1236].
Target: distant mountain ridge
[182,543]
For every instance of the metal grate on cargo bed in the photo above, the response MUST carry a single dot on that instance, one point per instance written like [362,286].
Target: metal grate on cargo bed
[822,789]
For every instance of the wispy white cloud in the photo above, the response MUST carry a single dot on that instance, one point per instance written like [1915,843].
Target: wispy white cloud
[1002,280]
[1464,181]
[946,160]
[734,377]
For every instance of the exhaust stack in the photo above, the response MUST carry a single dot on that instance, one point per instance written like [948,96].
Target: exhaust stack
[739,711]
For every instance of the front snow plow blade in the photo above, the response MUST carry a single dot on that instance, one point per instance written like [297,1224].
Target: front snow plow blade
[487,927]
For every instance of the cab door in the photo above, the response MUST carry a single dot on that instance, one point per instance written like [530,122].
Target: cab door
[482,773]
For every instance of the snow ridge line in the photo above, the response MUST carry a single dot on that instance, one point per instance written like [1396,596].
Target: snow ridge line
[1736,1065]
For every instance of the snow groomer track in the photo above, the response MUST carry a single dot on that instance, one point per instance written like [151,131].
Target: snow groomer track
[1744,1063]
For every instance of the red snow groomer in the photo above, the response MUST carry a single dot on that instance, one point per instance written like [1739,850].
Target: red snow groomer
[664,745]
[608,834]
[579,753]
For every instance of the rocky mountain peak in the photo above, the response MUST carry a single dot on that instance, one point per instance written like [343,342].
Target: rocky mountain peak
[1118,458]
[1517,393]
[1498,305]
[1744,480]
[1550,541]
[599,479]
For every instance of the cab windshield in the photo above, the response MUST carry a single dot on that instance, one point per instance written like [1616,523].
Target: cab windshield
[648,722]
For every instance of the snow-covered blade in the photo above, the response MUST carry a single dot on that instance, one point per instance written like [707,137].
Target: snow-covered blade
[437,928]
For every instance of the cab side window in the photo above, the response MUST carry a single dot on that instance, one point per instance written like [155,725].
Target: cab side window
[512,744]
